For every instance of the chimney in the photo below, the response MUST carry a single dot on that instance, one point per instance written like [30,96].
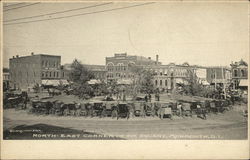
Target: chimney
[32,53]
[17,56]
[157,59]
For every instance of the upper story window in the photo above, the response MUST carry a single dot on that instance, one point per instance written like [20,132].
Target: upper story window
[156,82]
[235,73]
[243,73]
[110,66]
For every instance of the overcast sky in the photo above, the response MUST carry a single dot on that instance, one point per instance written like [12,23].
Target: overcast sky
[200,33]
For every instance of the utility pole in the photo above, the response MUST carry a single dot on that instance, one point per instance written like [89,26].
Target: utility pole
[224,84]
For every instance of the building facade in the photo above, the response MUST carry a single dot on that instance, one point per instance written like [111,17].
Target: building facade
[218,75]
[99,71]
[6,79]
[167,77]
[239,74]
[27,71]
[119,66]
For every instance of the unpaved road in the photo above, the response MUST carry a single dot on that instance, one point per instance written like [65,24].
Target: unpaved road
[18,124]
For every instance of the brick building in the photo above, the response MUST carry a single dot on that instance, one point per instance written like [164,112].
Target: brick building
[168,76]
[6,78]
[99,71]
[118,66]
[239,74]
[27,71]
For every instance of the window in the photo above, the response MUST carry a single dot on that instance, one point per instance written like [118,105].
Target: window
[235,73]
[166,82]
[243,73]
[42,74]
[49,74]
[156,82]
[62,74]
[57,74]
[110,66]
[54,74]
[160,82]
[46,74]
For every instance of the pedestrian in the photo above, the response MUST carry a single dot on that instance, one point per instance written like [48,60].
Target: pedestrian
[146,98]
[124,97]
[149,97]
[179,106]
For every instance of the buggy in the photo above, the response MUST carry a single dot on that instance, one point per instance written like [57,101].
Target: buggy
[165,110]
[186,109]
[122,110]
[139,109]
[201,110]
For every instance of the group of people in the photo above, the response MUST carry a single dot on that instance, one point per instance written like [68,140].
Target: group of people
[148,97]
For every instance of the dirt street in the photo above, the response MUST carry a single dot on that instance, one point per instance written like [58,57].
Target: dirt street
[18,124]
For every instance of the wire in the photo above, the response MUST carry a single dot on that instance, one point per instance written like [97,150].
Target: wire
[13,4]
[21,6]
[17,19]
[88,13]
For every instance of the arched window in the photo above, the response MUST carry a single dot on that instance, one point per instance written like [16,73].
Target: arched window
[110,66]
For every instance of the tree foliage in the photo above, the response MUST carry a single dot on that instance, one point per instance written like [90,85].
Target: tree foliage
[80,75]
[142,80]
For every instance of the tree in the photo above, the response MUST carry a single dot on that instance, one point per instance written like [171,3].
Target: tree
[36,88]
[193,87]
[142,80]
[80,75]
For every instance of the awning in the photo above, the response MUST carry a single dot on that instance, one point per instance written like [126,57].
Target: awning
[124,81]
[94,81]
[54,82]
[181,81]
[243,83]
[204,82]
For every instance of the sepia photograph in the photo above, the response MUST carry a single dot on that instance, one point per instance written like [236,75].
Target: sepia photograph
[134,70]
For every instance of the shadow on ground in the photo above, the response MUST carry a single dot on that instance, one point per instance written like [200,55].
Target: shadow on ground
[50,132]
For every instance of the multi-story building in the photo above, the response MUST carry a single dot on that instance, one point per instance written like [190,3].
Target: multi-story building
[167,77]
[27,71]
[6,78]
[119,66]
[99,71]
[218,75]
[239,74]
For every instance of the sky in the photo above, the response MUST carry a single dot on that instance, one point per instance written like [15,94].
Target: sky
[200,33]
